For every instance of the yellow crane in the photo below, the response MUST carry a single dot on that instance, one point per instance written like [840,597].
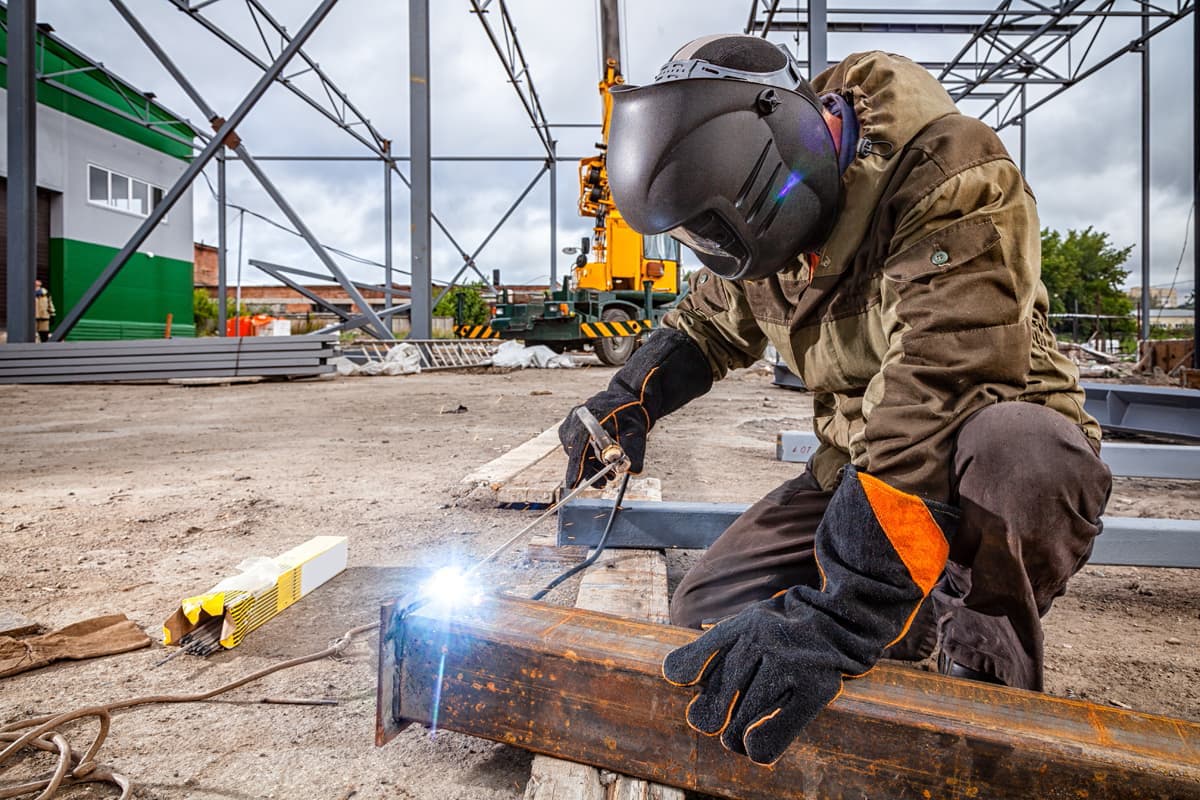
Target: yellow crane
[622,283]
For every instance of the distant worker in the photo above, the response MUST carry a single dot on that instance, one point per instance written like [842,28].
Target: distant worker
[43,309]
[888,247]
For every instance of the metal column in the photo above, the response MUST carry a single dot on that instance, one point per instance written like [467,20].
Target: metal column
[1024,130]
[553,164]
[818,37]
[388,299]
[422,234]
[1196,190]
[222,244]
[1144,332]
[22,169]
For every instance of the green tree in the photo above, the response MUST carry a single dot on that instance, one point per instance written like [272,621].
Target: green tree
[475,309]
[1083,272]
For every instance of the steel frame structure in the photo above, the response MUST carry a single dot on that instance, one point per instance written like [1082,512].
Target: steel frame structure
[1016,45]
[1010,48]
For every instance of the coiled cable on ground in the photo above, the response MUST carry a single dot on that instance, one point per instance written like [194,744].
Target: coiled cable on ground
[44,733]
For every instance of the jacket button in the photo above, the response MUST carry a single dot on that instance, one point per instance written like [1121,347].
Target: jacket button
[939,257]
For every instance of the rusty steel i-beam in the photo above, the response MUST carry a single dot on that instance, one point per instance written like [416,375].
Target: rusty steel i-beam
[586,687]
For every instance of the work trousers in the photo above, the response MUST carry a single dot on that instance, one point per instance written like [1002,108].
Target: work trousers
[1031,489]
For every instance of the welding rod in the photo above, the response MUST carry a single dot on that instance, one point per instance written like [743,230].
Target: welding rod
[603,473]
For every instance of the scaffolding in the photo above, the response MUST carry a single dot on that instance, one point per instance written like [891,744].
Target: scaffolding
[1014,58]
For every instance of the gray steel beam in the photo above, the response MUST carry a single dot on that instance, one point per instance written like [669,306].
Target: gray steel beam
[244,155]
[1126,541]
[298,287]
[818,36]
[373,321]
[1195,189]
[470,261]
[388,277]
[222,245]
[553,165]
[22,169]
[1144,409]
[1125,459]
[421,206]
[193,170]
[1144,301]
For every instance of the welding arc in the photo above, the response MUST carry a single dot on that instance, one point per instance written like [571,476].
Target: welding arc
[75,767]
[599,545]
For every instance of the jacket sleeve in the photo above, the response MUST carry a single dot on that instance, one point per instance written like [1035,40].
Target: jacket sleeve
[716,315]
[957,296]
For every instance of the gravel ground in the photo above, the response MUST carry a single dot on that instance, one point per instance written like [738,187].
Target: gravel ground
[127,498]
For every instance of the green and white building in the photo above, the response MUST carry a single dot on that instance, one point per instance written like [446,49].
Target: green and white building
[106,153]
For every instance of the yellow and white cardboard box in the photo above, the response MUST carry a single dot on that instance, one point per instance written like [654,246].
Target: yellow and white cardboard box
[262,588]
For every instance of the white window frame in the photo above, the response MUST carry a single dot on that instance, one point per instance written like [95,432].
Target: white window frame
[107,203]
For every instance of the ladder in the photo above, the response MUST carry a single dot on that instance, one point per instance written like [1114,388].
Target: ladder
[437,353]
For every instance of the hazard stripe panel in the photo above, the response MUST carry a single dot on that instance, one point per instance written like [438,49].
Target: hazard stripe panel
[597,330]
[476,332]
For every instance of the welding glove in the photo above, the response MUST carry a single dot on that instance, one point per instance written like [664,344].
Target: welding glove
[767,671]
[665,373]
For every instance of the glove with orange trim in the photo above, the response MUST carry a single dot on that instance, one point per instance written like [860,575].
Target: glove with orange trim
[665,373]
[766,672]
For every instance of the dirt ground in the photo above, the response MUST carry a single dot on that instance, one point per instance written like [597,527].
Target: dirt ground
[127,498]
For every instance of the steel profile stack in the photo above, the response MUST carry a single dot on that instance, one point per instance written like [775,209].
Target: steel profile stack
[161,359]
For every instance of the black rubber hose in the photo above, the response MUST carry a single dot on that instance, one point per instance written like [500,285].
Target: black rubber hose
[599,545]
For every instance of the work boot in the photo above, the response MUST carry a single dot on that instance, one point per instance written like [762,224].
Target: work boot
[951,668]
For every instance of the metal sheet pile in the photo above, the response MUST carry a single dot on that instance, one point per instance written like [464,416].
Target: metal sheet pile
[159,359]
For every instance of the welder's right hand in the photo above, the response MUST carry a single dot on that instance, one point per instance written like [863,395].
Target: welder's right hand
[663,374]
[626,421]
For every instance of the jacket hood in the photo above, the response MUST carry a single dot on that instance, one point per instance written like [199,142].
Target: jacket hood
[894,98]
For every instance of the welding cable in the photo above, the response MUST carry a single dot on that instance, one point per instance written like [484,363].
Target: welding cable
[612,516]
[75,767]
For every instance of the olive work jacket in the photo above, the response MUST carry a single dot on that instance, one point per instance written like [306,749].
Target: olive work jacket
[926,302]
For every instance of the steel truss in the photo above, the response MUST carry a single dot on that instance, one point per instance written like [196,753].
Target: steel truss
[1011,49]
[1018,47]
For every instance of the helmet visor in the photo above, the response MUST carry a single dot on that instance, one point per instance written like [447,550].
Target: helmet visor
[708,233]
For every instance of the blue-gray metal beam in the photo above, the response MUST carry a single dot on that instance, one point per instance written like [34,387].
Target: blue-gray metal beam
[1144,409]
[1144,301]
[1196,190]
[388,277]
[280,274]
[553,165]
[22,169]
[1126,541]
[244,155]
[193,170]
[818,37]
[222,244]
[470,260]
[260,264]
[359,320]
[421,205]
[1125,459]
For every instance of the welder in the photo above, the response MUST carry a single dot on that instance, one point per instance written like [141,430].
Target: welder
[889,248]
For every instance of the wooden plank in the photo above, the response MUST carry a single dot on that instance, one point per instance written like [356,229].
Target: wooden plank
[539,483]
[633,584]
[516,671]
[501,470]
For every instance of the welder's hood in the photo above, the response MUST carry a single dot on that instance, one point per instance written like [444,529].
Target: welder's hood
[742,172]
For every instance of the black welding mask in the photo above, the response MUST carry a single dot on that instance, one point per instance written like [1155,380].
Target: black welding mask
[728,152]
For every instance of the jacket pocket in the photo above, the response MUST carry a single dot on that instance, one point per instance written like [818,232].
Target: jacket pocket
[774,299]
[943,250]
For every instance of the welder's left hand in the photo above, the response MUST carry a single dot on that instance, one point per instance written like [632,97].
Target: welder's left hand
[766,672]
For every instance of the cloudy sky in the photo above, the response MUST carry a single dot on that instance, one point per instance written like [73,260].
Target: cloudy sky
[1083,147]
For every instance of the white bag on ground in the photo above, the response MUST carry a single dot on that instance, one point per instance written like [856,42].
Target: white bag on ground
[514,354]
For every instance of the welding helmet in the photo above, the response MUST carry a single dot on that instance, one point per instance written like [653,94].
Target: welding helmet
[728,152]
